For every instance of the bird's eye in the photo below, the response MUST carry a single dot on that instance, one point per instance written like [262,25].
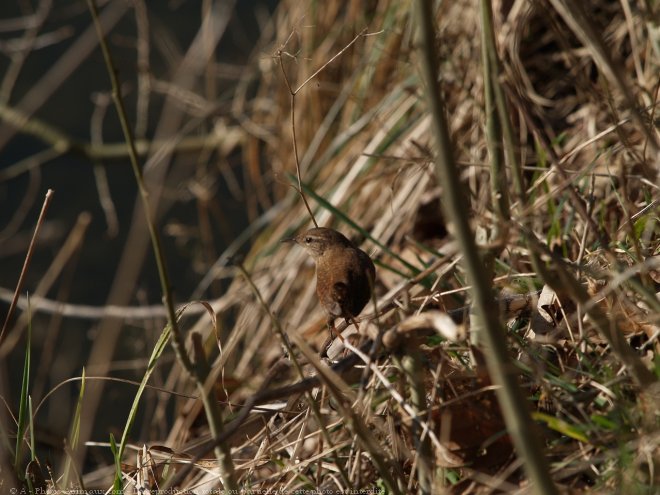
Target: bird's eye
[308,240]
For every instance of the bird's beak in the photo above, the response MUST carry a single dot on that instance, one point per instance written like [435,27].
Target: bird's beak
[288,239]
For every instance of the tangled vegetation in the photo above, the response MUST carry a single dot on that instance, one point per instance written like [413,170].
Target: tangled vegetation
[551,113]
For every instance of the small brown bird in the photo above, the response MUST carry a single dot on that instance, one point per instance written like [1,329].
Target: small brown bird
[345,274]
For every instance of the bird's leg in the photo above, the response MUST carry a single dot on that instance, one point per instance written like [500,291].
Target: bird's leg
[352,321]
[331,326]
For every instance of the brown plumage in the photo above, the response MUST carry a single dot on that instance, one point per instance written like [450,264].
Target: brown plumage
[344,273]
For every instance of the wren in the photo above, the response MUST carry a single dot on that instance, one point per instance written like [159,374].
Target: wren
[345,274]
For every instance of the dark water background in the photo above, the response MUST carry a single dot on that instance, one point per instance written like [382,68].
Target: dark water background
[72,178]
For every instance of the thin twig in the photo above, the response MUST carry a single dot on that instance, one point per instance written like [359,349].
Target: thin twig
[295,144]
[222,451]
[137,170]
[293,94]
[337,55]
[26,263]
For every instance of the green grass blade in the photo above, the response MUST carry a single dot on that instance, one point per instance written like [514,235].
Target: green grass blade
[117,485]
[561,426]
[75,431]
[23,405]
[155,355]
[33,454]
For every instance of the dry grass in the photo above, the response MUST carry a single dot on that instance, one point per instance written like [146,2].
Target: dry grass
[420,407]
